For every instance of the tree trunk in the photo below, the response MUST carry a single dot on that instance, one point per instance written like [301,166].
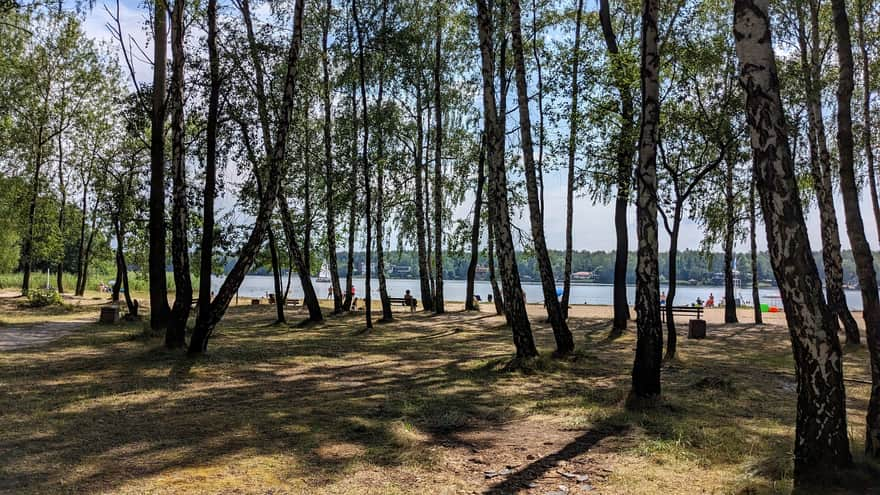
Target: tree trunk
[353,181]
[276,278]
[475,229]
[387,315]
[649,340]
[867,127]
[624,158]
[365,163]
[753,238]
[729,231]
[572,149]
[328,162]
[205,326]
[80,286]
[421,233]
[497,297]
[854,226]
[310,297]
[439,303]
[821,171]
[499,214]
[59,268]
[27,247]
[159,310]
[175,334]
[564,341]
[671,336]
[209,192]
[821,444]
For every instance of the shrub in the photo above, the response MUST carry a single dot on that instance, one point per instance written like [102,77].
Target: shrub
[38,298]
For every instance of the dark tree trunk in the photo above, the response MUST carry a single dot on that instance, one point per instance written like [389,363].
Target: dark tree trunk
[175,334]
[729,231]
[310,297]
[328,162]
[365,163]
[649,340]
[205,326]
[59,268]
[80,286]
[821,444]
[867,127]
[821,170]
[475,229]
[499,214]
[27,246]
[206,262]
[564,340]
[573,122]
[854,226]
[753,238]
[439,304]
[276,277]
[624,158]
[380,185]
[159,310]
[497,297]
[421,234]
[671,336]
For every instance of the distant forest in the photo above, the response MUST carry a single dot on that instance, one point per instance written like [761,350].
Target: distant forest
[694,267]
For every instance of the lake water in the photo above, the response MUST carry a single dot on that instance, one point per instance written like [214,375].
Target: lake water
[454,290]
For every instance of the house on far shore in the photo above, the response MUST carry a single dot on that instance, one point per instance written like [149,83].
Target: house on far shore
[583,276]
[400,269]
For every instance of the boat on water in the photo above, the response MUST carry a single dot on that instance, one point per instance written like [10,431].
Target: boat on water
[324,274]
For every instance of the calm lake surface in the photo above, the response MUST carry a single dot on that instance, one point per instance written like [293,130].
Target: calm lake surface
[454,290]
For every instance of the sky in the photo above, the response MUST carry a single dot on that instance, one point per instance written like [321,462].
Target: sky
[593,224]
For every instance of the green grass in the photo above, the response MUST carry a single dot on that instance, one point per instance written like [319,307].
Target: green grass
[422,405]
[136,281]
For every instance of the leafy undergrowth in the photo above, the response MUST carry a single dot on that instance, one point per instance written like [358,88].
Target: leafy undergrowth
[421,405]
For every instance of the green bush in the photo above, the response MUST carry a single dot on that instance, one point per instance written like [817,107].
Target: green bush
[38,298]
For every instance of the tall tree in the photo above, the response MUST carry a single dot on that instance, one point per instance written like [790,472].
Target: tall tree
[854,226]
[175,334]
[499,214]
[811,54]
[365,160]
[564,341]
[205,325]
[421,233]
[572,149]
[649,337]
[624,158]
[439,305]
[867,124]
[821,442]
[209,191]
[330,201]
[159,310]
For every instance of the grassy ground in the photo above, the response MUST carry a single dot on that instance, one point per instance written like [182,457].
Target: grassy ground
[421,405]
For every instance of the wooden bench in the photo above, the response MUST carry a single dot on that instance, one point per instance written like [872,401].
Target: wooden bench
[400,301]
[194,303]
[682,311]
[294,303]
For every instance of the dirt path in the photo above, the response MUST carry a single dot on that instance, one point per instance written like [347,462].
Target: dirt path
[27,335]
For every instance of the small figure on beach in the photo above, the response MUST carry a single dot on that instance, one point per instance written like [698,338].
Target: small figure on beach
[699,302]
[330,292]
[710,303]
[663,298]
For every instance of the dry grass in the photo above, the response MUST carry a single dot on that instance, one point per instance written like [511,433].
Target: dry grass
[421,405]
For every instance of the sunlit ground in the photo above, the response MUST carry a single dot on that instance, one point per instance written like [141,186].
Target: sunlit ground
[421,405]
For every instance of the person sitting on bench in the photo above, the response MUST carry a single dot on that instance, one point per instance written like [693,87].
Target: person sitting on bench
[408,301]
